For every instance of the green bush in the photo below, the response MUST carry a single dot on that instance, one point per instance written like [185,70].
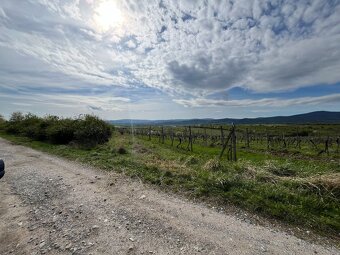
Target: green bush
[2,122]
[61,131]
[34,127]
[15,123]
[28,125]
[86,131]
[90,131]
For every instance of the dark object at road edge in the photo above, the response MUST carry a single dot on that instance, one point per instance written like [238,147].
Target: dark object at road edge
[2,168]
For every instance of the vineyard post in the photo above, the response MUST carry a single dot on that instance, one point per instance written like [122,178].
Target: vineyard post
[230,152]
[267,140]
[179,141]
[284,140]
[159,136]
[232,147]
[185,134]
[205,138]
[162,134]
[172,137]
[298,139]
[222,136]
[247,137]
[149,133]
[234,143]
[190,139]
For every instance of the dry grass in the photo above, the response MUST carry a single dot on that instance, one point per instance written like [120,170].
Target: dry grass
[165,165]
[212,165]
[328,183]
[191,160]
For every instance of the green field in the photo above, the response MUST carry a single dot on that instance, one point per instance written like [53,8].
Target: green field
[299,190]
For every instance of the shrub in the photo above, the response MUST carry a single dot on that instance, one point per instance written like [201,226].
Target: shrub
[61,131]
[33,127]
[87,131]
[15,123]
[2,122]
[90,131]
[28,125]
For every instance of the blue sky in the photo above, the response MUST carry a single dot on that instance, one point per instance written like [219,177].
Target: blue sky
[169,59]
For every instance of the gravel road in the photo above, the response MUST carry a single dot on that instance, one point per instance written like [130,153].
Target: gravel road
[50,205]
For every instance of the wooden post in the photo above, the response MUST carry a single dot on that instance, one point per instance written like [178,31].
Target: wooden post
[230,153]
[162,135]
[149,133]
[284,140]
[172,137]
[327,145]
[159,136]
[190,140]
[222,136]
[247,137]
[298,145]
[179,140]
[234,144]
[267,141]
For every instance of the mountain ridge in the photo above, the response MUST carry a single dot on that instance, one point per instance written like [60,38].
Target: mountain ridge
[317,117]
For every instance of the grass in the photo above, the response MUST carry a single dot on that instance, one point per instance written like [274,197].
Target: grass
[299,191]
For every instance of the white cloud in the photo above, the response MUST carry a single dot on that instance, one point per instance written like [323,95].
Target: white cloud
[264,102]
[75,103]
[2,13]
[262,47]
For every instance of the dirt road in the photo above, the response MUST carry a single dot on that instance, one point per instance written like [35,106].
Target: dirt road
[52,206]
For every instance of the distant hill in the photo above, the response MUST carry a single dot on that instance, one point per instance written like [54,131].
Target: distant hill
[320,117]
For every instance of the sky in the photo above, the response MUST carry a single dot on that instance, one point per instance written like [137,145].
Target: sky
[167,59]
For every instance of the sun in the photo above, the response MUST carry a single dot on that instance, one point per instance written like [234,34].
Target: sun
[107,15]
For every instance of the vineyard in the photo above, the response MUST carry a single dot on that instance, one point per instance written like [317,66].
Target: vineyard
[313,140]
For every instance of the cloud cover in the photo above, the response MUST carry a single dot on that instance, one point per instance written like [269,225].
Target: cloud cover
[187,49]
[264,102]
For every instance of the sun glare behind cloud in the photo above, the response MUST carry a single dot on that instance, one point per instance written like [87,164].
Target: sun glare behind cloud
[107,16]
